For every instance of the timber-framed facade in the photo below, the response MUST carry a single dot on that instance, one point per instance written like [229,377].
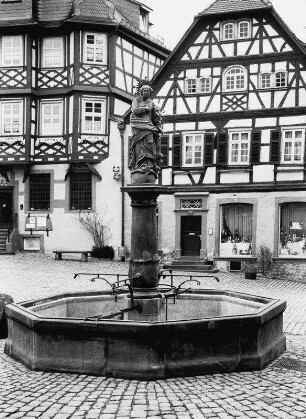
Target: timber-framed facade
[67,73]
[233,95]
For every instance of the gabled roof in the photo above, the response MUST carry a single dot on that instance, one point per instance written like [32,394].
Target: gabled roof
[228,6]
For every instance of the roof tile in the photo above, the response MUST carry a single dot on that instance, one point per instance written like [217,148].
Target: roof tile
[228,6]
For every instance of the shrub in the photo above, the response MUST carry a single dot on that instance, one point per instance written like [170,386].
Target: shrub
[104,252]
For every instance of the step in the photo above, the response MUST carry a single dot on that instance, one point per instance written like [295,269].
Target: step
[191,268]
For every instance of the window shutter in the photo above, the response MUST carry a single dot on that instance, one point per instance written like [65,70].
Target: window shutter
[275,147]
[222,148]
[209,148]
[255,146]
[164,149]
[177,150]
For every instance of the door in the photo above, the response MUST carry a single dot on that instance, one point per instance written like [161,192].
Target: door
[191,235]
[6,207]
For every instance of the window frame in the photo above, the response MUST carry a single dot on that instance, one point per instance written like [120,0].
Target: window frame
[235,89]
[21,112]
[197,81]
[61,116]
[103,116]
[193,144]
[43,57]
[224,24]
[21,55]
[44,188]
[273,80]
[231,142]
[72,177]
[209,84]
[283,141]
[95,62]
[239,22]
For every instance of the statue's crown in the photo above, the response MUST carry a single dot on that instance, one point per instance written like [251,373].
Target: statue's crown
[143,82]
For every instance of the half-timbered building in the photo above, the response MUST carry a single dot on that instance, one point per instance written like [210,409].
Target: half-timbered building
[233,95]
[67,73]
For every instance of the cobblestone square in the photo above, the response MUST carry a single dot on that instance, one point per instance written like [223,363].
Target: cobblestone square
[278,391]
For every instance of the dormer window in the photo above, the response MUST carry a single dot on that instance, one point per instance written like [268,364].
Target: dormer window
[144,21]
[273,80]
[12,51]
[235,78]
[235,30]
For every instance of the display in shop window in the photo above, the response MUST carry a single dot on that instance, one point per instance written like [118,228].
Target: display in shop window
[292,236]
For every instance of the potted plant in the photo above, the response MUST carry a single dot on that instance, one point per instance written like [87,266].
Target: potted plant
[250,271]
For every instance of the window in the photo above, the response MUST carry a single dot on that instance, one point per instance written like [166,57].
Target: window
[292,231]
[191,85]
[244,29]
[234,79]
[228,31]
[239,149]
[93,116]
[11,118]
[40,192]
[280,79]
[236,230]
[265,80]
[53,52]
[236,30]
[204,84]
[95,48]
[293,146]
[80,191]
[273,80]
[12,51]
[52,118]
[198,85]
[193,149]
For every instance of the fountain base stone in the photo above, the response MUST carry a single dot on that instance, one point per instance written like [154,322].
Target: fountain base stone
[204,332]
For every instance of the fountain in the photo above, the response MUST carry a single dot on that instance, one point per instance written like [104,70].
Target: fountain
[141,329]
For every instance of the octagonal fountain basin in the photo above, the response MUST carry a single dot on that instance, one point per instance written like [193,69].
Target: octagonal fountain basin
[202,332]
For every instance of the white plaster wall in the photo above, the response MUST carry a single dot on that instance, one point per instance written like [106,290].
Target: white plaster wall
[238,177]
[263,173]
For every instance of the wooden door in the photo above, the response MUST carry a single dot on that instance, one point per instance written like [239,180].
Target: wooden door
[6,207]
[191,235]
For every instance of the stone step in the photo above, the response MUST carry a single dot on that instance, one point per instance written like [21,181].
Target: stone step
[192,268]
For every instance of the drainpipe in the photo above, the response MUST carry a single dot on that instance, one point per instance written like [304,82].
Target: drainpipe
[121,127]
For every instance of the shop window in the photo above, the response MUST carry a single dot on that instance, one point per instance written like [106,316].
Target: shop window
[293,146]
[53,52]
[239,148]
[80,191]
[193,149]
[12,51]
[234,78]
[11,118]
[236,230]
[40,192]
[292,234]
[95,48]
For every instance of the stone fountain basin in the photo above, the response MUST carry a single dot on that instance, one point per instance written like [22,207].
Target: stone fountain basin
[206,331]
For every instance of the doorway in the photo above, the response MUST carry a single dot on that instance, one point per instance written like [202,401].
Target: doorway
[191,235]
[6,207]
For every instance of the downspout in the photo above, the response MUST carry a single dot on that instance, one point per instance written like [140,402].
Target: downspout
[121,127]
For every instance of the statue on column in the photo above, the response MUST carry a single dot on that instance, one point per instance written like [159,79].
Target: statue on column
[144,153]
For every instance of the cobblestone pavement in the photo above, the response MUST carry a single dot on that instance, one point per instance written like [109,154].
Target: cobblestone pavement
[279,391]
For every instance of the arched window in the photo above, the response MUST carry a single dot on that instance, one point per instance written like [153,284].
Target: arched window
[234,78]
[228,31]
[244,29]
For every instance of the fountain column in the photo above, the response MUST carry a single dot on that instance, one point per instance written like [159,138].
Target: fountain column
[144,159]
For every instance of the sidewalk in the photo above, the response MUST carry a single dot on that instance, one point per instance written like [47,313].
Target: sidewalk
[279,391]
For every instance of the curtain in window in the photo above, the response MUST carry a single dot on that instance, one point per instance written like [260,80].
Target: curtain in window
[237,222]
[293,220]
